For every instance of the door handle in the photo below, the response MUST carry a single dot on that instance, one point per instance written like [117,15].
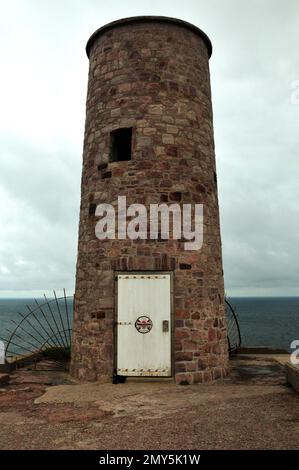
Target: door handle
[165,326]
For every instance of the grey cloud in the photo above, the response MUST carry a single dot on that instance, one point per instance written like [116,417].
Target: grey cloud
[42,93]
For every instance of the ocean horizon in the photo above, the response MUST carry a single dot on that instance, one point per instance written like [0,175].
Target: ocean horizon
[264,321]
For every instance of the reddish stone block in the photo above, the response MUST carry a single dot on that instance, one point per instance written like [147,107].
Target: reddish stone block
[182,314]
[198,377]
[180,367]
[191,366]
[207,376]
[182,333]
[178,345]
[201,364]
[212,334]
[195,316]
[183,356]
[184,379]
[196,335]
[189,345]
[171,150]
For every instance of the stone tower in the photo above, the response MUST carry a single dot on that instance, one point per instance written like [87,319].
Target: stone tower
[149,137]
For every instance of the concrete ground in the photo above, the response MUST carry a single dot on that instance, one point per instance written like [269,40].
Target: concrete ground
[253,409]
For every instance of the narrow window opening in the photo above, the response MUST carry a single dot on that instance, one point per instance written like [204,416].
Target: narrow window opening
[121,145]
[92,208]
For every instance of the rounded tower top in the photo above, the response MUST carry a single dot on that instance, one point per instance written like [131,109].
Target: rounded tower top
[147,19]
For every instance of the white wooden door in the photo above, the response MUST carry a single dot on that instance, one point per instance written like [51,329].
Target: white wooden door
[144,324]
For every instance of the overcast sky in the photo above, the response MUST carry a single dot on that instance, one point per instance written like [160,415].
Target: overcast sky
[43,83]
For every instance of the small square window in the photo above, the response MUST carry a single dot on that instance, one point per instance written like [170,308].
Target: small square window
[121,145]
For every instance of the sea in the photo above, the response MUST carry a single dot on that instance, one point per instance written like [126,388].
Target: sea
[267,321]
[264,321]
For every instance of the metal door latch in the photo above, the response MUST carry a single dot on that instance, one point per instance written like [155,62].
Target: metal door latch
[165,326]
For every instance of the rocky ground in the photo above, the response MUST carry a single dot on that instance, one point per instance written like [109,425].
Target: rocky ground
[253,409]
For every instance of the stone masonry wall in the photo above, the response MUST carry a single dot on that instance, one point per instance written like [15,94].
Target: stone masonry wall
[153,77]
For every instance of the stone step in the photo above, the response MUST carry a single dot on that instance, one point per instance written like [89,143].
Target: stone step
[292,373]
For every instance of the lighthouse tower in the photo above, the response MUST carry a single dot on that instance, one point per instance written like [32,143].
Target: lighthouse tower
[149,306]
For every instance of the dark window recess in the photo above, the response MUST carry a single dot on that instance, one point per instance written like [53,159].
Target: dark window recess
[106,174]
[121,145]
[98,315]
[185,266]
[92,208]
[102,166]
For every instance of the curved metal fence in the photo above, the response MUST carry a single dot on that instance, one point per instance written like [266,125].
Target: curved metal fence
[43,332]
[233,328]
